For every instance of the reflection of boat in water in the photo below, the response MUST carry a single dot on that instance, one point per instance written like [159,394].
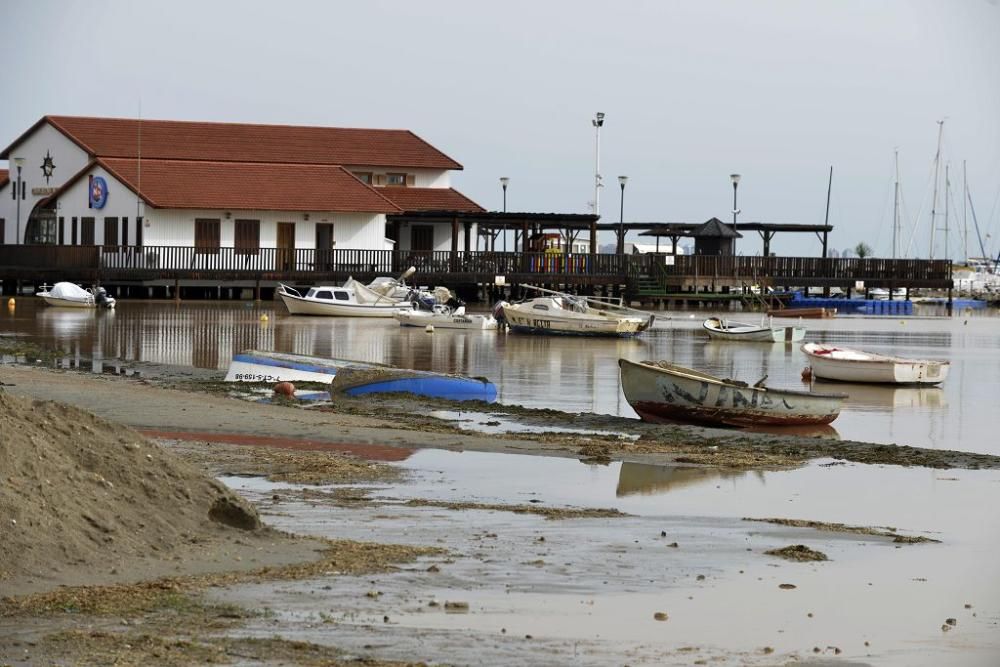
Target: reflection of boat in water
[825,431]
[646,479]
[886,395]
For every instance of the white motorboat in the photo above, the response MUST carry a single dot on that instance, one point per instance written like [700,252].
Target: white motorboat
[720,329]
[445,317]
[352,299]
[831,362]
[68,295]
[560,313]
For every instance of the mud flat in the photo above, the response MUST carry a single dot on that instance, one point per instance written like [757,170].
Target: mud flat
[426,541]
[203,407]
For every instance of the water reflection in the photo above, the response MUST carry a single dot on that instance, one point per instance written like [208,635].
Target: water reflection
[564,373]
[645,479]
[885,396]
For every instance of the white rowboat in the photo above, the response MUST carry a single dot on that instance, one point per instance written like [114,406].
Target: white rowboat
[443,317]
[849,365]
[662,392]
[719,329]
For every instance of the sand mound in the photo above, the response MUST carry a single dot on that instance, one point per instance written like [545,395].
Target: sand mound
[80,493]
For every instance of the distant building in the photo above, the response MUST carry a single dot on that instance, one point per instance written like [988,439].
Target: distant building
[128,183]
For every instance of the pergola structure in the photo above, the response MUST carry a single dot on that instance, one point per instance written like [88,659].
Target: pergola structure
[492,223]
[677,230]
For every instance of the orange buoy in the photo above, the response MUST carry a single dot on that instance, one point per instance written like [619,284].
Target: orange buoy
[284,389]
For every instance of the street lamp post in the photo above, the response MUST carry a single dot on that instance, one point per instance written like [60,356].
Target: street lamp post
[19,161]
[504,182]
[735,178]
[598,123]
[622,180]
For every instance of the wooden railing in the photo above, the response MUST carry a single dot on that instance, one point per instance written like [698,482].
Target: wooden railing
[109,263]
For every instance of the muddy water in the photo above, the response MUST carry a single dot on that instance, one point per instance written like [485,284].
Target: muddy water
[570,374]
[585,591]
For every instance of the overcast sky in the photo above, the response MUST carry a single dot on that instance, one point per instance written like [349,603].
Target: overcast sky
[778,91]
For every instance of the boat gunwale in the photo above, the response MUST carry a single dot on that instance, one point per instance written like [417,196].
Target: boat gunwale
[691,374]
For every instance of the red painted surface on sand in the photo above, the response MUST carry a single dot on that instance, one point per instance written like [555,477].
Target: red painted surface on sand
[372,452]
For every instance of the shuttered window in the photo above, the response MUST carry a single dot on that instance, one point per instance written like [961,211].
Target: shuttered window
[111,234]
[3,231]
[138,231]
[124,231]
[87,231]
[62,231]
[207,235]
[247,240]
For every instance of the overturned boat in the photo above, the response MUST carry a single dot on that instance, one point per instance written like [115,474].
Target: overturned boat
[358,381]
[663,392]
[265,366]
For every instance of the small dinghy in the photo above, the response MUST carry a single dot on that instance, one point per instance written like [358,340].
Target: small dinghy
[68,295]
[358,381]
[663,392]
[720,329]
[845,364]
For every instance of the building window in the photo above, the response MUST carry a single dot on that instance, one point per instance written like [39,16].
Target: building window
[111,234]
[364,176]
[124,231]
[73,230]
[247,237]
[138,231]
[207,235]
[398,180]
[87,231]
[62,231]
[3,231]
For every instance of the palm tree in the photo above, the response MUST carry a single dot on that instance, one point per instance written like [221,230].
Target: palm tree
[862,250]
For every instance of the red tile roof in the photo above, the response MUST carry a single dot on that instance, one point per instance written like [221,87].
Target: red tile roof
[239,142]
[244,185]
[430,199]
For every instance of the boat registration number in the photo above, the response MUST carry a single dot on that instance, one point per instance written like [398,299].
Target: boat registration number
[255,377]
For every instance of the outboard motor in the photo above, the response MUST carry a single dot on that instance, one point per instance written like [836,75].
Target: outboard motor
[102,299]
[499,316]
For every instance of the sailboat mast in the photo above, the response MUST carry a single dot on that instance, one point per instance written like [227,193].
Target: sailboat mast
[937,171]
[947,188]
[895,208]
[965,212]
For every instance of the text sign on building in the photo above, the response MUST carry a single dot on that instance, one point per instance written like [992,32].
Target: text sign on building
[42,192]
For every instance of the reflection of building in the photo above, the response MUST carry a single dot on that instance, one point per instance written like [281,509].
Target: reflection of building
[129,183]
[642,478]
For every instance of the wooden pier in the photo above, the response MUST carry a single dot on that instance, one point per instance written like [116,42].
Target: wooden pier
[644,277]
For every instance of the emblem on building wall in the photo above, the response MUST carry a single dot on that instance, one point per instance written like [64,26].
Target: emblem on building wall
[98,192]
[48,166]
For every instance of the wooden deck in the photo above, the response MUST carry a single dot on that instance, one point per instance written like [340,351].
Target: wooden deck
[640,274]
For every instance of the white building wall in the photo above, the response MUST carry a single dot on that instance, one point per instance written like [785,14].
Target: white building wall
[175,227]
[68,159]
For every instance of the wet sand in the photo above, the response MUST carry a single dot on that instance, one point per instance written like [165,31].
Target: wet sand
[632,578]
